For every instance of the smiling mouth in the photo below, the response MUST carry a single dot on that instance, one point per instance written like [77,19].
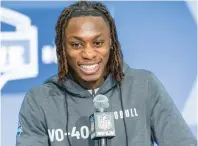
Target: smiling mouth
[89,69]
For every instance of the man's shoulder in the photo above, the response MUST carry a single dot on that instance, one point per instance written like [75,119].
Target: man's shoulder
[138,73]
[142,76]
[41,93]
[42,89]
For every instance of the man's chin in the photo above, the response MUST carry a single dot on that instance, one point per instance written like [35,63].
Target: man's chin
[90,78]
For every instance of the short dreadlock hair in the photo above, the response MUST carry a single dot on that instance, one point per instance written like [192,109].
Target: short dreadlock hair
[88,8]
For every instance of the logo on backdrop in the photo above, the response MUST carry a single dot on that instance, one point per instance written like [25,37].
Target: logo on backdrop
[49,54]
[19,49]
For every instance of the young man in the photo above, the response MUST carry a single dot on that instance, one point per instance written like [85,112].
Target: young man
[90,62]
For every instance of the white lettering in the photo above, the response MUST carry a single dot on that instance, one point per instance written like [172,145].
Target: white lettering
[136,114]
[112,133]
[121,114]
[51,134]
[105,133]
[84,131]
[100,133]
[127,113]
[59,134]
[132,115]
[75,133]
[116,115]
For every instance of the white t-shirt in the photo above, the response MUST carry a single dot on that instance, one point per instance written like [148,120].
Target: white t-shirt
[90,91]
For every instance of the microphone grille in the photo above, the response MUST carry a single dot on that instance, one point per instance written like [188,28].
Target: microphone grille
[101,102]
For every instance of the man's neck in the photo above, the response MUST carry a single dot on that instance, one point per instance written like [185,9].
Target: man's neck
[85,84]
[91,85]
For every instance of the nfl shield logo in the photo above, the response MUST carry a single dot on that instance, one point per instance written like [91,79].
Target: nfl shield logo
[104,122]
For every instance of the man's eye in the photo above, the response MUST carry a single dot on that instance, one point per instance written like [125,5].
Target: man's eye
[98,43]
[76,45]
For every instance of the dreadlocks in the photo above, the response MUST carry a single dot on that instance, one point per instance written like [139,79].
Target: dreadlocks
[85,8]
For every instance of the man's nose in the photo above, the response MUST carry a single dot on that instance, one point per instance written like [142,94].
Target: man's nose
[89,53]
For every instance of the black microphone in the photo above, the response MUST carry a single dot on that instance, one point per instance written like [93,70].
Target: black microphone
[102,122]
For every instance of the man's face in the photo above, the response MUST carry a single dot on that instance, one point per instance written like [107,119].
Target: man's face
[87,44]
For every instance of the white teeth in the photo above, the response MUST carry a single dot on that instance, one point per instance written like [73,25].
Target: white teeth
[89,66]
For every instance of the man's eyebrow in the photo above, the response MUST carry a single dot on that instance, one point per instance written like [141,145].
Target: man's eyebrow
[76,37]
[80,39]
[97,36]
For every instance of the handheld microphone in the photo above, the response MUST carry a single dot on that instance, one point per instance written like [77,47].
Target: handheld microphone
[102,122]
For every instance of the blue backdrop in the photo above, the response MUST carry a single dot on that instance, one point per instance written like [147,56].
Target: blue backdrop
[158,36]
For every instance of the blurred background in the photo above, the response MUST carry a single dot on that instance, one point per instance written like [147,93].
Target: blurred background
[157,36]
